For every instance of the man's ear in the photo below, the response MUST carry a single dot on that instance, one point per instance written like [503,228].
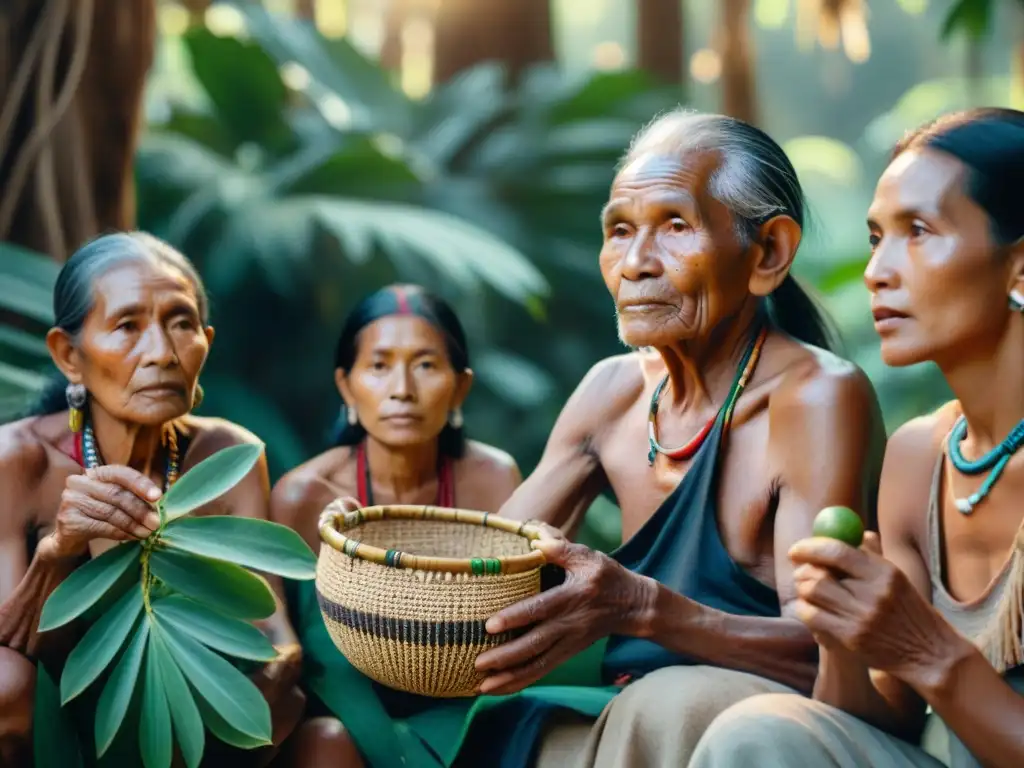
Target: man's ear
[64,355]
[777,243]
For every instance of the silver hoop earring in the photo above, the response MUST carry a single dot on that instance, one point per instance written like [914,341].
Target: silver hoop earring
[351,415]
[1016,300]
[455,418]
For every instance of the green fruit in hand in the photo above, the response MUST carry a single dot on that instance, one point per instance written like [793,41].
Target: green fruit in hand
[840,523]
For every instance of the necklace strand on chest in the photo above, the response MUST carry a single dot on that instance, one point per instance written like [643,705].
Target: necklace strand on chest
[995,460]
[748,363]
[169,438]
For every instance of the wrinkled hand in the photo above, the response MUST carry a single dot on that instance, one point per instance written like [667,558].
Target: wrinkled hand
[854,600]
[109,502]
[598,598]
[348,504]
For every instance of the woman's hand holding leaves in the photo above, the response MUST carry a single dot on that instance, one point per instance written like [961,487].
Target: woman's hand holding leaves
[181,597]
[108,502]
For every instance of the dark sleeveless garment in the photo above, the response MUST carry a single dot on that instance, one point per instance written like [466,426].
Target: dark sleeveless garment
[680,547]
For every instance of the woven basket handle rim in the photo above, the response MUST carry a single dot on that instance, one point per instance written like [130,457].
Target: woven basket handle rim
[336,518]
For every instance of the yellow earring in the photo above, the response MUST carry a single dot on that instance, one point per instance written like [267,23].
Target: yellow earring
[76,395]
[197,398]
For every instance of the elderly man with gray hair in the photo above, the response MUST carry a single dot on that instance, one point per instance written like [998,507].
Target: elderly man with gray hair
[721,437]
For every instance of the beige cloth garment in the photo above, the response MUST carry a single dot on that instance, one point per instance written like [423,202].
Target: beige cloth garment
[785,731]
[655,722]
[794,732]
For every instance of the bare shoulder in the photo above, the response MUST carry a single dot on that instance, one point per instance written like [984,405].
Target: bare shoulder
[617,377]
[910,461]
[826,434]
[24,459]
[485,477]
[608,391]
[919,442]
[487,459]
[209,435]
[815,381]
[307,488]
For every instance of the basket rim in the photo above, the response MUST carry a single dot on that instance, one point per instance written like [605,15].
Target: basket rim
[336,518]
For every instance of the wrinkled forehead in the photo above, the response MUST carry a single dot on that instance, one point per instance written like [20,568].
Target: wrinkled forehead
[138,282]
[688,171]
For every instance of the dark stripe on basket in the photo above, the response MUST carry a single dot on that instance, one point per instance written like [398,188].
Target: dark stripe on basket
[412,631]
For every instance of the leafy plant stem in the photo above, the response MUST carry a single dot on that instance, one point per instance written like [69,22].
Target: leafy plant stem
[146,577]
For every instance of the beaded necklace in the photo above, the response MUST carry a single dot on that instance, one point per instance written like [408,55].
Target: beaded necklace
[995,460]
[445,480]
[90,454]
[746,369]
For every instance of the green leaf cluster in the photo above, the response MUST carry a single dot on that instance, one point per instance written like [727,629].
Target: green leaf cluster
[183,600]
[25,316]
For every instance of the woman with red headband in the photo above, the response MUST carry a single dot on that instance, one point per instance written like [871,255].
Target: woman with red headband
[402,369]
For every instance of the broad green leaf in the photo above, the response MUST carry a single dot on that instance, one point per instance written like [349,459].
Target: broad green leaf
[972,17]
[222,633]
[843,274]
[117,693]
[225,587]
[234,696]
[204,129]
[233,397]
[188,725]
[219,727]
[30,345]
[87,584]
[21,380]
[28,278]
[209,479]
[28,265]
[100,645]
[155,723]
[360,166]
[55,741]
[244,85]
[258,544]
[335,67]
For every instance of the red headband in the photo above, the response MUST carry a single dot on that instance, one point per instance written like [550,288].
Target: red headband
[403,302]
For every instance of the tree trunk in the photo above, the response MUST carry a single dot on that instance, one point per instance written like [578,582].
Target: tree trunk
[661,48]
[514,32]
[196,11]
[391,49]
[736,47]
[72,74]
[306,9]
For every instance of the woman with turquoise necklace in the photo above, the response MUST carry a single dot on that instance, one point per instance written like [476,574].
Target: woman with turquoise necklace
[930,620]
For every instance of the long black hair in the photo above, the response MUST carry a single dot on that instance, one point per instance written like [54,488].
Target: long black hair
[755,181]
[990,142]
[73,295]
[403,300]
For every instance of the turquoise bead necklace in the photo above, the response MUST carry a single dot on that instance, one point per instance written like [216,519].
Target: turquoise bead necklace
[995,460]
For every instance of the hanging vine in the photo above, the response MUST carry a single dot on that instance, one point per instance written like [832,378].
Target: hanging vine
[71,90]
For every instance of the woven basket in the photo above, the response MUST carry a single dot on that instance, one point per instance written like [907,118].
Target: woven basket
[405,590]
